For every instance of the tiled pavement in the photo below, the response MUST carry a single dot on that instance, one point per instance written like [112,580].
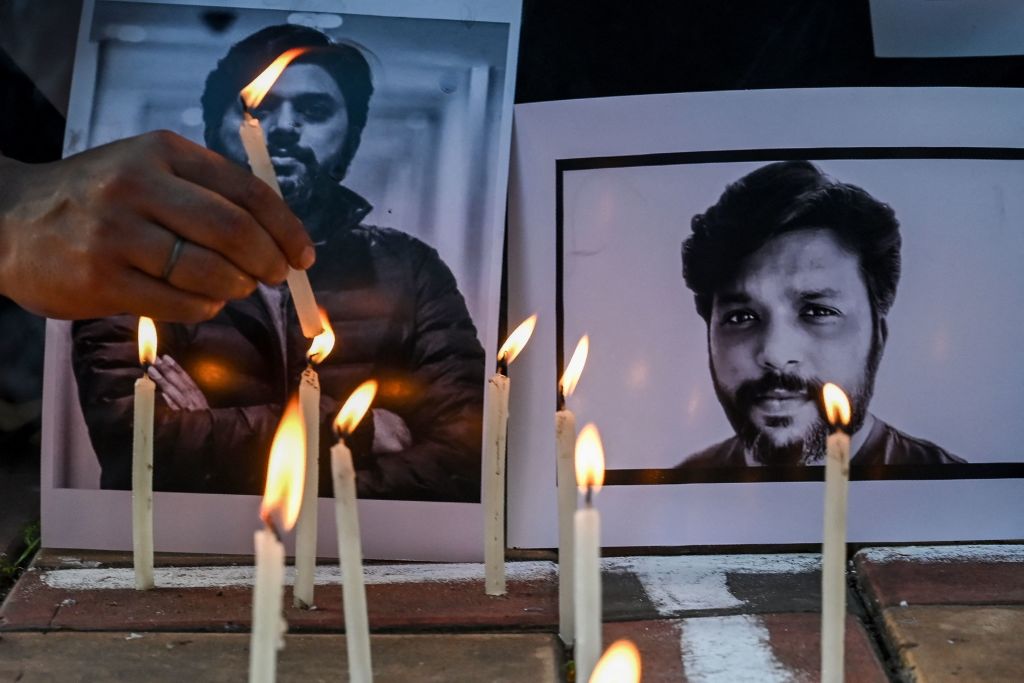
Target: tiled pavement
[927,614]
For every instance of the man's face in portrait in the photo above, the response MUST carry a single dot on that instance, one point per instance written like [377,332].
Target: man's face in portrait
[797,315]
[305,123]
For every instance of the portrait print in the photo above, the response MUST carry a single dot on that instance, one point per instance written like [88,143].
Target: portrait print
[388,135]
[728,254]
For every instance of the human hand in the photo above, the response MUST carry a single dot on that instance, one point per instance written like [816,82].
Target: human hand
[95,234]
[179,390]
[390,433]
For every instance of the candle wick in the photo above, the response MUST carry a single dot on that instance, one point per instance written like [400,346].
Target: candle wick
[268,521]
[589,496]
[502,365]
[560,401]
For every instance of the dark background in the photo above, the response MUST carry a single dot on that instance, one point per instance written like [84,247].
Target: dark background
[568,50]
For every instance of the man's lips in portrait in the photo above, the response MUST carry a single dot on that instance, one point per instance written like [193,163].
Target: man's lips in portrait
[780,401]
[778,394]
[291,160]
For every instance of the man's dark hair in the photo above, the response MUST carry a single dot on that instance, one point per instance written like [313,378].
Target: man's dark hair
[250,56]
[780,198]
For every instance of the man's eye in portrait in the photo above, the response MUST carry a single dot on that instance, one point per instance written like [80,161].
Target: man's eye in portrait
[818,313]
[739,318]
[315,108]
[312,108]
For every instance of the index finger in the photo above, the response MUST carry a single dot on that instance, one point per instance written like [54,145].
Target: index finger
[239,186]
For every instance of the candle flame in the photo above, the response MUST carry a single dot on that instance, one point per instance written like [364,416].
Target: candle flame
[517,340]
[589,459]
[575,367]
[322,343]
[620,663]
[355,407]
[286,471]
[254,93]
[147,340]
[837,406]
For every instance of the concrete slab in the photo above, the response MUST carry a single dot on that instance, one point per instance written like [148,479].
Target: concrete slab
[940,644]
[212,658]
[651,587]
[942,575]
[762,648]
[218,599]
[93,591]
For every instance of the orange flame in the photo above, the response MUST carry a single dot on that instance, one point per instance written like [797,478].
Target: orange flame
[322,343]
[286,472]
[620,663]
[517,340]
[254,93]
[589,459]
[355,407]
[575,367]
[147,340]
[837,406]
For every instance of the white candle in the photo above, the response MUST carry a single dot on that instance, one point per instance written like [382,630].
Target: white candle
[587,550]
[565,440]
[298,282]
[495,431]
[268,626]
[357,628]
[142,483]
[281,499]
[833,554]
[142,461]
[305,529]
[350,549]
[493,465]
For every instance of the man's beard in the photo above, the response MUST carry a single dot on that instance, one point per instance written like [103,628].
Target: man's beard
[298,185]
[807,448]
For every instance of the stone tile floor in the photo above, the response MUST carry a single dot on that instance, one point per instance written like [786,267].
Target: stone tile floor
[915,613]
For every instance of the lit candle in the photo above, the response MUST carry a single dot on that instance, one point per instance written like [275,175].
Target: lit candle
[305,530]
[282,499]
[565,439]
[142,460]
[495,431]
[350,549]
[259,160]
[587,546]
[619,664]
[833,552]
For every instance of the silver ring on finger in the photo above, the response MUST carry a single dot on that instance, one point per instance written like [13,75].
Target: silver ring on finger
[172,260]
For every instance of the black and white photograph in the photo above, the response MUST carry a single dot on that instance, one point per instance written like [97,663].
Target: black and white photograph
[388,134]
[725,273]
[776,277]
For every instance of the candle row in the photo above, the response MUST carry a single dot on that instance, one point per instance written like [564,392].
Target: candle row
[579,586]
[281,508]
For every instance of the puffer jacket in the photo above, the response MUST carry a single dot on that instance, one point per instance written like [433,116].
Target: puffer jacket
[398,316]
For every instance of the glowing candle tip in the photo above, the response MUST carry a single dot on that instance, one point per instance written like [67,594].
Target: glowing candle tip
[619,664]
[837,405]
[254,93]
[589,460]
[517,340]
[147,341]
[286,470]
[355,408]
[574,369]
